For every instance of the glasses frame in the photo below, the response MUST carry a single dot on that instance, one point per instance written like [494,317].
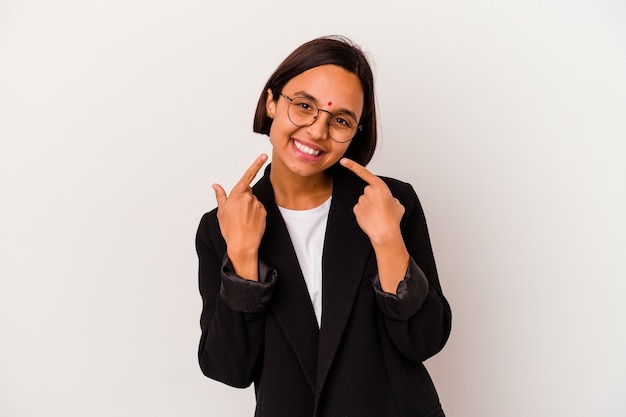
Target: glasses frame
[291,99]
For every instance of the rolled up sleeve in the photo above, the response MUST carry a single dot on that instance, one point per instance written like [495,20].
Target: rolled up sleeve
[247,296]
[411,293]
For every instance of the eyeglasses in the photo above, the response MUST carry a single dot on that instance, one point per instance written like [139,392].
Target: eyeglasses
[303,112]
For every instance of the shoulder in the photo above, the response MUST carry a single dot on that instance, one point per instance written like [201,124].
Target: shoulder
[395,184]
[207,221]
[209,233]
[403,191]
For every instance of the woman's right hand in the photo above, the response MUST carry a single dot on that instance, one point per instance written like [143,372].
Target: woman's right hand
[242,221]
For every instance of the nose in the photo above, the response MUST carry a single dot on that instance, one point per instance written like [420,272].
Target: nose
[319,128]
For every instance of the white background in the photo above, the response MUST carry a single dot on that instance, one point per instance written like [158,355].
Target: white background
[508,117]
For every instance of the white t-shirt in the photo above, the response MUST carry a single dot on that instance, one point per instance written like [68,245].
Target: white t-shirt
[307,229]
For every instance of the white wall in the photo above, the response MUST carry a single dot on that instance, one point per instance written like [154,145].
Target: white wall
[116,116]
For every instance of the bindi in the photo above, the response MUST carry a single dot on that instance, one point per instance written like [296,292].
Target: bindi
[330,103]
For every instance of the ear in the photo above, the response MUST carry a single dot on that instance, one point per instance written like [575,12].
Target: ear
[270,104]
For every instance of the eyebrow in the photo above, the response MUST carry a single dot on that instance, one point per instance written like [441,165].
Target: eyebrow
[338,111]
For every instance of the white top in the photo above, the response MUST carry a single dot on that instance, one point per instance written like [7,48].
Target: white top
[307,229]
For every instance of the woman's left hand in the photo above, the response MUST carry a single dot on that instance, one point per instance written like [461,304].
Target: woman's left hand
[378,212]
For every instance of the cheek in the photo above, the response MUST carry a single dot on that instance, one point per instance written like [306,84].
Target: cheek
[274,130]
[280,126]
[339,151]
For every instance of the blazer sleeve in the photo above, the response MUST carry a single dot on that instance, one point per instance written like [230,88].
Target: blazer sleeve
[233,310]
[417,318]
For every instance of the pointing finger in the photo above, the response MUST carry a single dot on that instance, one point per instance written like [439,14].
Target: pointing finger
[250,173]
[220,194]
[360,171]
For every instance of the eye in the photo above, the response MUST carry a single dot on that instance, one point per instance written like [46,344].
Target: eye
[343,122]
[304,105]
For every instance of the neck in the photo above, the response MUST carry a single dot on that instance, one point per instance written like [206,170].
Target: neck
[300,193]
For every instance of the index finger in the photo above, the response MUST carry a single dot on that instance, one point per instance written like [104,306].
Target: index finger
[250,173]
[362,172]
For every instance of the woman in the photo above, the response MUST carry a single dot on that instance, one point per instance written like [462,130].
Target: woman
[319,283]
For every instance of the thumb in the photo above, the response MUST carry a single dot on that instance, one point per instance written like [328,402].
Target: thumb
[220,194]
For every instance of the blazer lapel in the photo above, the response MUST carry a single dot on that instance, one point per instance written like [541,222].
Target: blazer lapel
[346,252]
[291,304]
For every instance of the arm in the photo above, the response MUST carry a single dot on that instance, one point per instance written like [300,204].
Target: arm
[235,286]
[233,317]
[408,294]
[418,317]
[378,214]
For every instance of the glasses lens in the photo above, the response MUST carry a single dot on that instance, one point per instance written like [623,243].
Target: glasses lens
[302,112]
[342,127]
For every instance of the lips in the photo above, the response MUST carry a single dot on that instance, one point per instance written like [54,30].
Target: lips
[306,149]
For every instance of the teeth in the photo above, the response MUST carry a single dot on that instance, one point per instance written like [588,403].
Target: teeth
[306,149]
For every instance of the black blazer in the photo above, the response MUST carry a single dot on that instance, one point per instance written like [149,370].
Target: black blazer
[366,359]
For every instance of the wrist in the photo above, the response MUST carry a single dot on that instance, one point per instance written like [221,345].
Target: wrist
[245,264]
[390,238]
[392,259]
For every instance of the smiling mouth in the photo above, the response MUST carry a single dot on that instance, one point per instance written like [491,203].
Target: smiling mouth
[305,149]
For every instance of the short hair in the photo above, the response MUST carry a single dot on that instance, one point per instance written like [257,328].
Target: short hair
[334,50]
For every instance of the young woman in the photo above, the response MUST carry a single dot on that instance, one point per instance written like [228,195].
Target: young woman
[319,283]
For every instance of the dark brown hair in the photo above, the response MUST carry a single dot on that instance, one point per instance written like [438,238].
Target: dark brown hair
[335,50]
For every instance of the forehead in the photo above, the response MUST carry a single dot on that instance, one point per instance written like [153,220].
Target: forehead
[329,83]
